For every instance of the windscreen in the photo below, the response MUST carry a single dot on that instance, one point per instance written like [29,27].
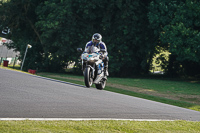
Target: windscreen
[92,49]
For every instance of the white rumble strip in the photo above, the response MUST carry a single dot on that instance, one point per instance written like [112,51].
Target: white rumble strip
[76,119]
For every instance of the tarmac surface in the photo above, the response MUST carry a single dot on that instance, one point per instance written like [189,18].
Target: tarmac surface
[25,95]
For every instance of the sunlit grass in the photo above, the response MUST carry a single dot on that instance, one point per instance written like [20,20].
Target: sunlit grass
[164,86]
[100,126]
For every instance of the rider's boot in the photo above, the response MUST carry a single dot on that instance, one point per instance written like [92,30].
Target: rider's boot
[106,72]
[106,68]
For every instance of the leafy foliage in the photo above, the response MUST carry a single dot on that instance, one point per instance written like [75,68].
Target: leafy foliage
[176,23]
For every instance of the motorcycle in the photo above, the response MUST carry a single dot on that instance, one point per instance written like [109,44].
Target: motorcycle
[93,67]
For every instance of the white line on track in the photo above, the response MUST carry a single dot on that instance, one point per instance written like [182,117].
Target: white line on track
[76,119]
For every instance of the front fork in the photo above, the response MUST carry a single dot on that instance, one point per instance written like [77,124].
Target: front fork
[93,68]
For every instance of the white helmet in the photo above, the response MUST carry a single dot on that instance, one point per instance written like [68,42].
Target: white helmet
[97,36]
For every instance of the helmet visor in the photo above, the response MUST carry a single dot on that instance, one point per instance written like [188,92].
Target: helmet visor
[97,37]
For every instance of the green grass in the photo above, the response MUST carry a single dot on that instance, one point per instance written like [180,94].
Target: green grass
[99,126]
[164,86]
[17,67]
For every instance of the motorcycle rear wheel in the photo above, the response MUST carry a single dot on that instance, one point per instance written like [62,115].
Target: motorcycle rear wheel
[102,85]
[88,77]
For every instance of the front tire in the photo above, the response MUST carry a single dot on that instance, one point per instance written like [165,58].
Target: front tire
[88,77]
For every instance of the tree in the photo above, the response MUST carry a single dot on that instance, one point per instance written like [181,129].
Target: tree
[71,24]
[176,23]
[65,26]
[128,36]
[56,28]
[20,17]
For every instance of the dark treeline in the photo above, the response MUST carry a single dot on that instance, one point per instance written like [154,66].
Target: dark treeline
[132,30]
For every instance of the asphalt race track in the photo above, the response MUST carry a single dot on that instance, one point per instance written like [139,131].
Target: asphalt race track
[28,96]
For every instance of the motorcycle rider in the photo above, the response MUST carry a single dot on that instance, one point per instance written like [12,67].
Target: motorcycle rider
[97,42]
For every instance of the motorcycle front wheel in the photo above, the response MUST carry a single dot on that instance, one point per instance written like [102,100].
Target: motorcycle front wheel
[88,77]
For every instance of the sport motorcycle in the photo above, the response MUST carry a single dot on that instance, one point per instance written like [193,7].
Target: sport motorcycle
[93,67]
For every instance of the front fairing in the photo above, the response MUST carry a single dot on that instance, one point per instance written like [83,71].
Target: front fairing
[90,56]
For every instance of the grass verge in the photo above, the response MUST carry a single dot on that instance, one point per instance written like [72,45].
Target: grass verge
[100,126]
